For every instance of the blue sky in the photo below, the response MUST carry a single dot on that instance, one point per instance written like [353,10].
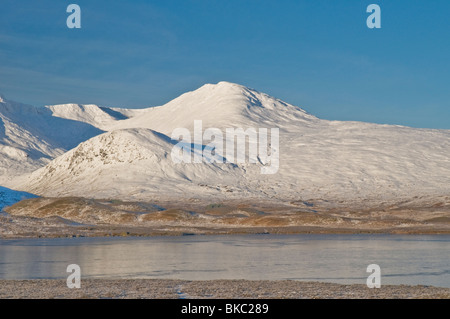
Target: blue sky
[318,54]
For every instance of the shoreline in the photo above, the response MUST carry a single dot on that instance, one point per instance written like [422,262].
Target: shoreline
[210,289]
[225,232]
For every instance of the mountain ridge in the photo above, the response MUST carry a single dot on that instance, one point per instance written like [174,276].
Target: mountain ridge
[319,159]
[31,137]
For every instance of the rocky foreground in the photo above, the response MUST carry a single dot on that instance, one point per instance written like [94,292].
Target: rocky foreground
[214,289]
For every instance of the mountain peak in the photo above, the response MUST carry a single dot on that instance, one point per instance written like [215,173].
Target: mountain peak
[230,85]
[225,99]
[227,83]
[220,105]
[222,88]
[223,84]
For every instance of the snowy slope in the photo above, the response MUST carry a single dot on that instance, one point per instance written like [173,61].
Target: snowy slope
[30,137]
[126,164]
[319,159]
[92,114]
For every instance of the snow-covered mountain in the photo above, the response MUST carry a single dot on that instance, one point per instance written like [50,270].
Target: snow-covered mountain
[31,137]
[100,117]
[319,159]
[132,163]
[220,105]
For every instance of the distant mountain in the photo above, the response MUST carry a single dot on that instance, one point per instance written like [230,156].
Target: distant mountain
[100,117]
[31,137]
[319,159]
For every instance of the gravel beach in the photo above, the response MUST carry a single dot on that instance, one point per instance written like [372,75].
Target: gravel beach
[214,289]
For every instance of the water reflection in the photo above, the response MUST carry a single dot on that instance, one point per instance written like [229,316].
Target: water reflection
[332,258]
